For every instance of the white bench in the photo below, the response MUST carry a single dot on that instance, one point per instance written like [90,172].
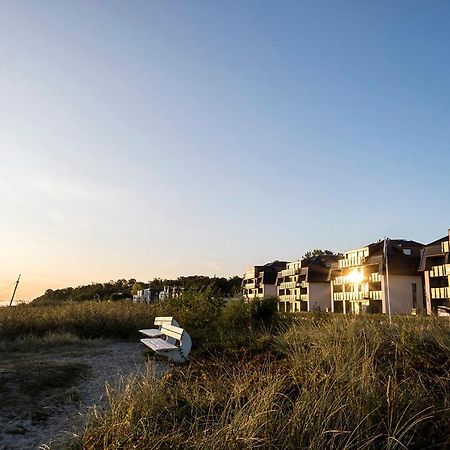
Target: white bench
[159,322]
[175,343]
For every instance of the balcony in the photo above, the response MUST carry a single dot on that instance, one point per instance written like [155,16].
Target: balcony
[304,297]
[289,298]
[350,262]
[376,295]
[288,285]
[375,277]
[349,296]
[251,285]
[442,292]
[440,271]
[288,272]
[445,247]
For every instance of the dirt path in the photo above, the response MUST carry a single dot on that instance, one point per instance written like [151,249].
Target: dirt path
[107,362]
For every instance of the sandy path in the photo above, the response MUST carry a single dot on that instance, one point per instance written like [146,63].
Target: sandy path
[108,362]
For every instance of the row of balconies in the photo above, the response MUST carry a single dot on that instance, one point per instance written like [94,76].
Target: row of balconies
[373,295]
[442,292]
[440,271]
[350,262]
[293,284]
[293,298]
[346,279]
[288,285]
[288,272]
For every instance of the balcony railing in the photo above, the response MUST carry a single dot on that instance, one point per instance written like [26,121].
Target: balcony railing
[250,285]
[288,285]
[442,292]
[445,247]
[440,271]
[288,272]
[289,298]
[350,262]
[376,295]
[340,296]
[374,277]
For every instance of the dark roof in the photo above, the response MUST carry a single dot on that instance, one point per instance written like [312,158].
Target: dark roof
[399,263]
[432,249]
[270,271]
[317,268]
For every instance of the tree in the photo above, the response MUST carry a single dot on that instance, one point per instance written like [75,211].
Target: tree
[136,287]
[318,251]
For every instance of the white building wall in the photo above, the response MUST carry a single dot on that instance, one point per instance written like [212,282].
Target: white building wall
[269,290]
[401,294]
[319,296]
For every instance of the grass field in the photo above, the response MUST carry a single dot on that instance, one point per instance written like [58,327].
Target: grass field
[261,381]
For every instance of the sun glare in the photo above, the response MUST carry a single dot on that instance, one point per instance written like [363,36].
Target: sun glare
[355,276]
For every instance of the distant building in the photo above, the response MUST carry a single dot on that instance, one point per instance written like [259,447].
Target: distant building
[435,265]
[148,295]
[304,285]
[260,281]
[359,281]
[169,292]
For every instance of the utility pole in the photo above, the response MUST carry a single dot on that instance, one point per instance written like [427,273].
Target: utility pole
[14,292]
[388,293]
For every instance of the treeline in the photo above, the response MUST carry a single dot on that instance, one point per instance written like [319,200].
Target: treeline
[123,289]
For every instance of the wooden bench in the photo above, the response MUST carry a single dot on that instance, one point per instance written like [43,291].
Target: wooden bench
[159,322]
[174,343]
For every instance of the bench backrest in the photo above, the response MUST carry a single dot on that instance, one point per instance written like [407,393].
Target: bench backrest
[163,320]
[172,331]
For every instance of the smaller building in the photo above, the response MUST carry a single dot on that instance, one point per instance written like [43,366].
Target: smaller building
[435,265]
[260,281]
[304,285]
[148,295]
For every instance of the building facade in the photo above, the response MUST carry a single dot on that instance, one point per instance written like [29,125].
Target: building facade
[435,266]
[147,295]
[304,285]
[260,281]
[382,277]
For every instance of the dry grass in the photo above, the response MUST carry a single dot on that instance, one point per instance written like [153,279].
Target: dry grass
[326,382]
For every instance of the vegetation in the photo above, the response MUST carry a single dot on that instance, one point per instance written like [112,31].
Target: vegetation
[318,251]
[122,289]
[260,380]
[326,382]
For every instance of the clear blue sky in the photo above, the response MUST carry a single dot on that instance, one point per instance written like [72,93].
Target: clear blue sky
[165,138]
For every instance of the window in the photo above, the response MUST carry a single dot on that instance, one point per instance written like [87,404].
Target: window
[407,251]
[414,295]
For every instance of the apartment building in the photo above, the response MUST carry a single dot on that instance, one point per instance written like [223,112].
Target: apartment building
[304,285]
[382,274]
[260,281]
[435,266]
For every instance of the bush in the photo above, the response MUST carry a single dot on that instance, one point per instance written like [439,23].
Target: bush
[263,311]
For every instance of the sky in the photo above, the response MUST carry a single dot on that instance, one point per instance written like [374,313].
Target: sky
[145,139]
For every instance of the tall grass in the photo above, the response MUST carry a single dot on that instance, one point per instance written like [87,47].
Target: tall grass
[209,320]
[86,320]
[325,383]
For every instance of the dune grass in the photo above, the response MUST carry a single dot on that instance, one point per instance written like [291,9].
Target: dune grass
[260,381]
[329,382]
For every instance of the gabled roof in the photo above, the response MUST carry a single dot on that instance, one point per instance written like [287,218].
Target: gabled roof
[399,262]
[432,249]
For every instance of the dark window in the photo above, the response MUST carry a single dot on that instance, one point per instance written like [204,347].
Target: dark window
[414,295]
